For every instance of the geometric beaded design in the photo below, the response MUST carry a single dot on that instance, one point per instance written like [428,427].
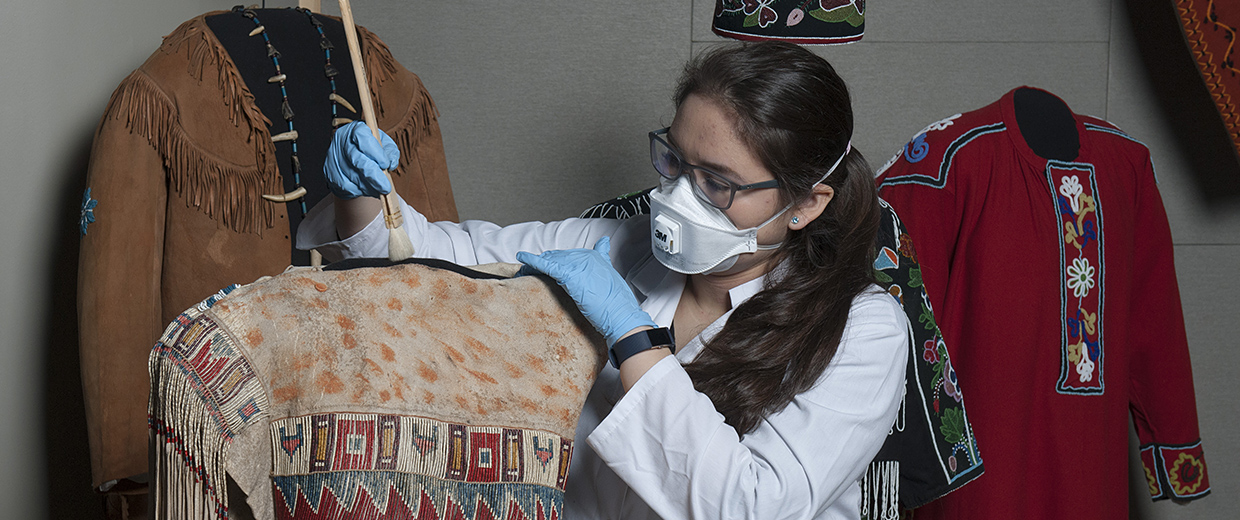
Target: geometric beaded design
[350,465]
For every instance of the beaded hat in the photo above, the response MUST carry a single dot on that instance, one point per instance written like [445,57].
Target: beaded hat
[820,22]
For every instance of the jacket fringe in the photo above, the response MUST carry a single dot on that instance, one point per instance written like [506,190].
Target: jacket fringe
[220,190]
[415,126]
[223,191]
[205,49]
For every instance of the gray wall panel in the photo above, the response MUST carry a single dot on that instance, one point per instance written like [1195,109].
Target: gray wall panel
[549,103]
[899,88]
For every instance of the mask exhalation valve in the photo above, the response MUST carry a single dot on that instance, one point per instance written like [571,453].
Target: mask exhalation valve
[666,234]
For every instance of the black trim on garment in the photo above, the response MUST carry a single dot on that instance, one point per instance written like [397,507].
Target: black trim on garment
[355,263]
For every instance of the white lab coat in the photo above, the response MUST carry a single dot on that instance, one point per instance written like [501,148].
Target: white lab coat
[662,450]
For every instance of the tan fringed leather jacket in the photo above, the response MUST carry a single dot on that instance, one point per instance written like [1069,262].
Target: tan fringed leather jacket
[173,212]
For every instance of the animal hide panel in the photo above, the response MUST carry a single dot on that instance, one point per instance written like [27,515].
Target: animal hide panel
[403,390]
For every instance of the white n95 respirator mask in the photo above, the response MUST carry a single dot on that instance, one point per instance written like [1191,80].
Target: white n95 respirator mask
[691,237]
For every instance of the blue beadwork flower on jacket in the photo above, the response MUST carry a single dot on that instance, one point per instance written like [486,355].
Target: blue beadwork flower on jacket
[88,210]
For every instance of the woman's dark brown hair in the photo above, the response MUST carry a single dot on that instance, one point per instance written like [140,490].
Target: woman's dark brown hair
[795,114]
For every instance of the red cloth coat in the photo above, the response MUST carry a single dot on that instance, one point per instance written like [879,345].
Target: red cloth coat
[1054,286]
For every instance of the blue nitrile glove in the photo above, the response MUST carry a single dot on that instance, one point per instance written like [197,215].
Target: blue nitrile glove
[588,277]
[355,162]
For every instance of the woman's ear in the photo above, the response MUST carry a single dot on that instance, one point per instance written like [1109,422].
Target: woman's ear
[812,207]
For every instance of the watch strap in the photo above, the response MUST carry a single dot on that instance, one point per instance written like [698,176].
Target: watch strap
[640,342]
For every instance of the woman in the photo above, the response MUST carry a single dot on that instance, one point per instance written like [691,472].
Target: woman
[784,366]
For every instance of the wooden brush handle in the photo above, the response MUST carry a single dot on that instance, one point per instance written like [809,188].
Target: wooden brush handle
[391,210]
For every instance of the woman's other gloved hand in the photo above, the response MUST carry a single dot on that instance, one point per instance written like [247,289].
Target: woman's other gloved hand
[355,162]
[588,277]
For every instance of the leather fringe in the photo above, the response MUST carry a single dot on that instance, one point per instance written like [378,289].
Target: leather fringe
[221,191]
[201,385]
[205,49]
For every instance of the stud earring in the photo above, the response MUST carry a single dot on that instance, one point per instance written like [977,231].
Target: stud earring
[796,220]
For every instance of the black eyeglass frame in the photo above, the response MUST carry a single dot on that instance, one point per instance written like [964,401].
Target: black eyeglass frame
[686,166]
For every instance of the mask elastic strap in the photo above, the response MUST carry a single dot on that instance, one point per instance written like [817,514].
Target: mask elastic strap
[847,149]
[768,221]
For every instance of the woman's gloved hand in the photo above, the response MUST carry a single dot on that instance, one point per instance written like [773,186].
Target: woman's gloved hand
[588,277]
[355,162]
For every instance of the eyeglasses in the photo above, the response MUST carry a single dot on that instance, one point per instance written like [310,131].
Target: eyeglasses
[712,188]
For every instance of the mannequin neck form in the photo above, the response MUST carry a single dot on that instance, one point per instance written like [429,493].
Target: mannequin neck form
[1047,124]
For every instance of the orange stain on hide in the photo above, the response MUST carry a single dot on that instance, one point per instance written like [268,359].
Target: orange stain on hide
[477,347]
[441,290]
[392,331]
[513,371]
[285,394]
[412,280]
[318,303]
[388,354]
[348,341]
[318,286]
[345,323]
[395,304]
[461,402]
[385,396]
[303,362]
[399,387]
[374,367]
[254,337]
[377,279]
[482,376]
[427,373]
[454,354]
[469,287]
[535,363]
[563,354]
[528,405]
[330,383]
[427,396]
[548,390]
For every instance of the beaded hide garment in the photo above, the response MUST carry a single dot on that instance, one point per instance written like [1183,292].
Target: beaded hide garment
[173,209]
[393,392]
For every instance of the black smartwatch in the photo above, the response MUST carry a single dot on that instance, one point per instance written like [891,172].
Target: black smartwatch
[640,342]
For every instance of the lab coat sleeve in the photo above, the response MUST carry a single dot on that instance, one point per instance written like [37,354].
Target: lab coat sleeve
[670,445]
[471,242]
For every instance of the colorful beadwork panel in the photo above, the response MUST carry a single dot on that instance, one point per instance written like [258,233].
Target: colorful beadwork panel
[1081,261]
[344,464]
[210,359]
[1175,471]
